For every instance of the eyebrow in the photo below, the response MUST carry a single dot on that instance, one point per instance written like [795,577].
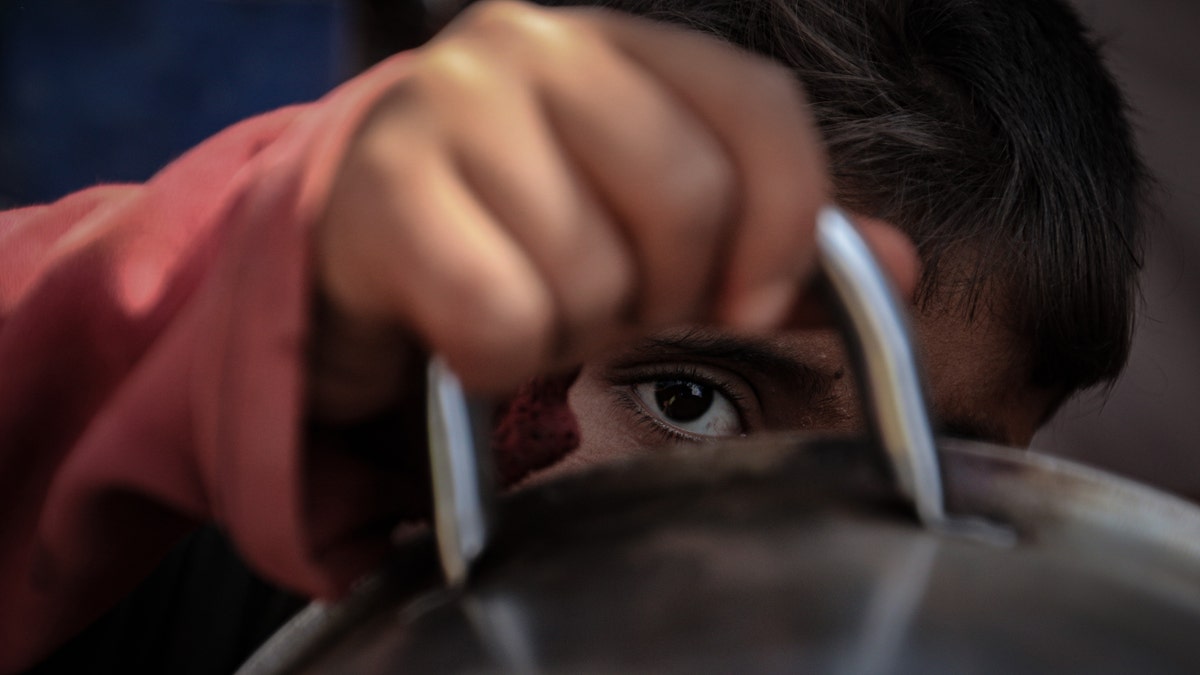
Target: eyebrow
[760,355]
[806,382]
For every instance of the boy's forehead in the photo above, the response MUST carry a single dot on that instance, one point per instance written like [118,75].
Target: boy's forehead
[978,375]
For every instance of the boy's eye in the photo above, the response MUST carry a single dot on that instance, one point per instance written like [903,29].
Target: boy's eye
[689,406]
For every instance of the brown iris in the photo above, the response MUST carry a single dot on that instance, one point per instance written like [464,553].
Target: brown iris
[681,400]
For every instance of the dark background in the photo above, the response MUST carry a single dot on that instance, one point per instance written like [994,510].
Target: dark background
[110,91]
[1149,426]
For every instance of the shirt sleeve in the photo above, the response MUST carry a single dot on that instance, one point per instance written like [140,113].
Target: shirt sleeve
[152,339]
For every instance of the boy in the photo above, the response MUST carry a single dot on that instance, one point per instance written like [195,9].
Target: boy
[241,339]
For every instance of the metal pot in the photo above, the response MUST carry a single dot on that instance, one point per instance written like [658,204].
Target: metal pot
[781,554]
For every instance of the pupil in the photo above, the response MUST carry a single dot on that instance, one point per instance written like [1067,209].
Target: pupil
[682,401]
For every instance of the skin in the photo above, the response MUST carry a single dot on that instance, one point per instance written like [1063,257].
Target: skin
[795,381]
[555,187]
[563,181]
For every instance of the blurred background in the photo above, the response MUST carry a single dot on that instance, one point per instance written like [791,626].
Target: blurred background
[1148,426]
[101,92]
[111,91]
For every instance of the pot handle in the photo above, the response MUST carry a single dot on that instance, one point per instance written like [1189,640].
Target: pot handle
[881,349]
[464,484]
[880,346]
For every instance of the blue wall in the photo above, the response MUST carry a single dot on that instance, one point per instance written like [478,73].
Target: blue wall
[110,91]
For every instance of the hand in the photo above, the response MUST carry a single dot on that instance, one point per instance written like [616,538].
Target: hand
[548,182]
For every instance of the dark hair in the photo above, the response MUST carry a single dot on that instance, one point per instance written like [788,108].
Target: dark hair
[991,131]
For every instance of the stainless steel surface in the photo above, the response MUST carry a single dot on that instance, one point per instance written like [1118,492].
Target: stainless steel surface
[878,335]
[797,555]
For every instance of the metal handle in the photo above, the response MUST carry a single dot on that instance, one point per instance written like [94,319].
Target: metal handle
[461,466]
[880,344]
[878,336]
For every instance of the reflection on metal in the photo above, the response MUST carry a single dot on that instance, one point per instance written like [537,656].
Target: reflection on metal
[502,625]
[314,626]
[463,491]
[288,648]
[892,609]
[887,372]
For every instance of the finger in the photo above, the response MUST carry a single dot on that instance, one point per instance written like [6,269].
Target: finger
[896,255]
[663,176]
[528,188]
[425,254]
[758,114]
[478,299]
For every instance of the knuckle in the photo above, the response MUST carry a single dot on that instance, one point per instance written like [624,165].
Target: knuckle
[451,68]
[518,26]
[493,13]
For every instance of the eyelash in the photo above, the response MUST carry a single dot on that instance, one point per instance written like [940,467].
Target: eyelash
[629,400]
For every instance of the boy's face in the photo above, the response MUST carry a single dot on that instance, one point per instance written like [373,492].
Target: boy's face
[688,385]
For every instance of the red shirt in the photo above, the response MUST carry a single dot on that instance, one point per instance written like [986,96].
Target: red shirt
[151,377]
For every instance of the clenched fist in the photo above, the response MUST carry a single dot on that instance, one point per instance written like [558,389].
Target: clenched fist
[547,182]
